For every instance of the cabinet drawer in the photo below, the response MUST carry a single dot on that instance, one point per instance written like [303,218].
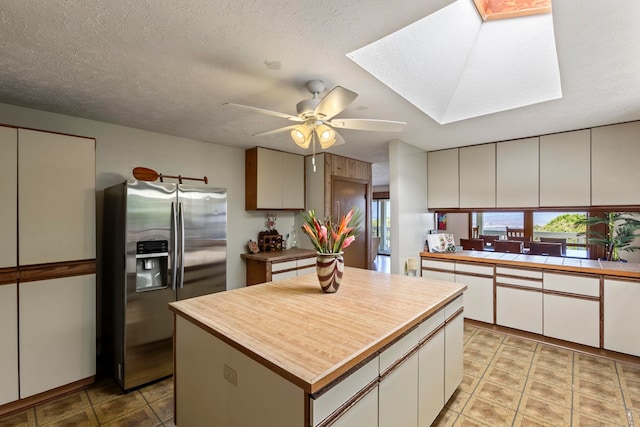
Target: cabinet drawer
[438,265]
[328,402]
[485,270]
[307,262]
[277,267]
[398,349]
[307,270]
[452,307]
[431,324]
[532,274]
[514,281]
[580,285]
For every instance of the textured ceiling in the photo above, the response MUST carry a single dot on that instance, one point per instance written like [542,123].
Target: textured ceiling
[169,65]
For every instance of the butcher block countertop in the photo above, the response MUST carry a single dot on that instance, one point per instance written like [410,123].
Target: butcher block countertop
[311,338]
[575,265]
[285,255]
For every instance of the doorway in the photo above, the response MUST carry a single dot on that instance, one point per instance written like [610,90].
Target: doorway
[381,224]
[347,193]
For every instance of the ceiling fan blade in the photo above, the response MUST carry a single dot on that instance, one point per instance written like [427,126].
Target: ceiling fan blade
[368,124]
[339,140]
[263,111]
[269,132]
[334,102]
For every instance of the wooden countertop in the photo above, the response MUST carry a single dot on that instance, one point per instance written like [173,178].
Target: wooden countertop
[285,255]
[311,338]
[576,265]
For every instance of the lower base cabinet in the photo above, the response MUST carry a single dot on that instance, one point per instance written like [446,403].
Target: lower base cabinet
[453,347]
[363,414]
[398,394]
[621,316]
[431,381]
[582,326]
[9,346]
[519,309]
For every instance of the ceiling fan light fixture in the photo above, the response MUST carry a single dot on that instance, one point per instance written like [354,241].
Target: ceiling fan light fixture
[326,136]
[301,136]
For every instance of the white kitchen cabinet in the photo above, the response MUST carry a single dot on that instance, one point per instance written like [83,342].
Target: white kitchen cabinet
[438,270]
[363,414]
[479,293]
[517,178]
[519,299]
[9,347]
[398,395]
[57,333]
[430,380]
[453,347]
[298,267]
[273,180]
[478,176]
[9,196]
[442,179]
[614,164]
[565,169]
[56,207]
[621,315]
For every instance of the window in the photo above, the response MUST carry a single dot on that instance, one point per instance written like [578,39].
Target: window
[496,223]
[562,225]
[381,224]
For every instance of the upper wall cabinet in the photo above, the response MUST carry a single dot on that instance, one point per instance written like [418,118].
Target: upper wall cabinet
[565,169]
[273,180]
[517,173]
[478,176]
[615,172]
[9,196]
[56,183]
[442,179]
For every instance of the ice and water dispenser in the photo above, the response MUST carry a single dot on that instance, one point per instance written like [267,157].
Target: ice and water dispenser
[152,258]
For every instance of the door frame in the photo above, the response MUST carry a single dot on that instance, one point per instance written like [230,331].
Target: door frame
[367,214]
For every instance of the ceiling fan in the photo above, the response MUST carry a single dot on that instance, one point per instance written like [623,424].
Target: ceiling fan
[316,117]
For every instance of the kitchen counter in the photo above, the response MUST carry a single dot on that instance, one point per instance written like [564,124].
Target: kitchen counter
[310,339]
[270,266]
[575,265]
[285,255]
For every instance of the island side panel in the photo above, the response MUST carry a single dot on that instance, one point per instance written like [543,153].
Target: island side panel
[206,370]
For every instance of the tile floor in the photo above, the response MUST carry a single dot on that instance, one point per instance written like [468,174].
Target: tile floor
[508,381]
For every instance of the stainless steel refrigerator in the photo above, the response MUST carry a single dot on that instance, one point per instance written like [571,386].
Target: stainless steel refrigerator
[163,242]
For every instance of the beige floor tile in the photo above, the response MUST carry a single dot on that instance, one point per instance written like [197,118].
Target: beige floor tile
[544,411]
[56,409]
[518,366]
[549,392]
[549,350]
[483,344]
[496,393]
[468,383]
[594,362]
[480,356]
[110,409]
[629,371]
[458,400]
[474,368]
[515,353]
[163,408]
[26,418]
[172,424]
[549,376]
[446,418]
[490,335]
[527,421]
[104,390]
[464,421]
[632,400]
[159,390]
[596,408]
[598,375]
[83,418]
[522,343]
[506,378]
[629,384]
[586,386]
[143,417]
[561,364]
[586,420]
[488,412]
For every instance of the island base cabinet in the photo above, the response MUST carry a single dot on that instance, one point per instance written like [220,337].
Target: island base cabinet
[9,346]
[364,413]
[519,309]
[621,316]
[57,333]
[214,384]
[431,381]
[453,352]
[582,326]
[398,393]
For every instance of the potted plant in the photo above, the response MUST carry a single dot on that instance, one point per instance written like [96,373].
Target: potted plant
[620,230]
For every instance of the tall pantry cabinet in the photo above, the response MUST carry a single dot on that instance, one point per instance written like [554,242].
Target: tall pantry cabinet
[47,265]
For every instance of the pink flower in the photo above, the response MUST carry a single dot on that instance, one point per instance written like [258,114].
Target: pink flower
[348,241]
[322,237]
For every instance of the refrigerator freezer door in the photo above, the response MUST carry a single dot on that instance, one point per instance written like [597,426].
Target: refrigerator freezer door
[148,327]
[204,237]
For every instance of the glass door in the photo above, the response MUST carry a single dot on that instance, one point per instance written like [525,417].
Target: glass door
[381,224]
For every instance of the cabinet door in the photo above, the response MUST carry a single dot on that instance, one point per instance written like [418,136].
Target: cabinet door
[56,183]
[453,355]
[269,181]
[9,339]
[478,297]
[363,414]
[292,175]
[565,169]
[614,164]
[517,173]
[9,197]
[519,309]
[57,333]
[478,176]
[581,326]
[621,315]
[431,379]
[398,395]
[442,179]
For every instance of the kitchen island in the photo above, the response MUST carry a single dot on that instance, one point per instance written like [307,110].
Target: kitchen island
[285,354]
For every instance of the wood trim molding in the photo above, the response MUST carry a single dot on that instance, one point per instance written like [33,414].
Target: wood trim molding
[570,295]
[521,288]
[9,275]
[56,270]
[465,273]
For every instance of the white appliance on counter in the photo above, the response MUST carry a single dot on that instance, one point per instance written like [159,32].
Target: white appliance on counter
[163,242]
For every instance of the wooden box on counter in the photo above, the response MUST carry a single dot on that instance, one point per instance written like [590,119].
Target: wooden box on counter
[270,266]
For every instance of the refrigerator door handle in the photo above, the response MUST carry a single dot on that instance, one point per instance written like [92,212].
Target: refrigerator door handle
[181,222]
[174,247]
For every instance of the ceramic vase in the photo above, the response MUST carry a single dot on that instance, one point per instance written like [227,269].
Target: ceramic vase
[329,268]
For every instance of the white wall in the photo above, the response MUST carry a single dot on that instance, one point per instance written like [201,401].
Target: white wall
[119,149]
[458,225]
[410,220]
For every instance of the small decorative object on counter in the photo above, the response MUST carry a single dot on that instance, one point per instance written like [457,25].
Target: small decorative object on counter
[253,247]
[269,241]
[329,240]
[271,221]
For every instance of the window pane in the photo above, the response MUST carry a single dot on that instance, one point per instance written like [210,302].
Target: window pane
[562,225]
[496,223]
